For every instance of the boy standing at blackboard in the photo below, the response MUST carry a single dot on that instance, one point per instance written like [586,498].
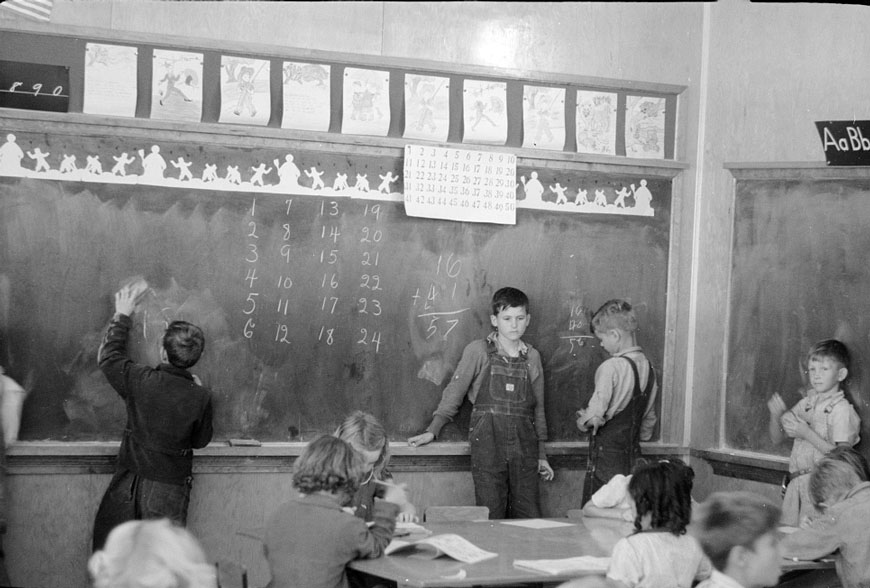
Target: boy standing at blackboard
[820,421]
[621,412]
[504,379]
[168,415]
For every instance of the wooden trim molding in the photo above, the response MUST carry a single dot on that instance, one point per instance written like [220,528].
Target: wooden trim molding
[52,458]
[226,135]
[795,171]
[756,467]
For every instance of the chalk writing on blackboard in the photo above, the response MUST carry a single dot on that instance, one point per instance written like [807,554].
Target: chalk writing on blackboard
[34,86]
[845,142]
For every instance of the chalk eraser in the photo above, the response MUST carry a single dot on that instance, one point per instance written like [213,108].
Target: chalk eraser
[244,443]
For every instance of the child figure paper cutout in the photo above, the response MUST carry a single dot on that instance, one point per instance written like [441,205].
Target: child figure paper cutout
[484,112]
[306,96]
[110,80]
[176,86]
[245,97]
[366,102]
[427,107]
[544,117]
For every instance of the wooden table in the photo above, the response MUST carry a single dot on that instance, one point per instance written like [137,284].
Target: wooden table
[594,537]
[590,536]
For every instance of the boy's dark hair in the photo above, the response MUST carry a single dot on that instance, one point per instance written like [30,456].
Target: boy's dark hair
[184,343]
[615,314]
[509,298]
[328,464]
[852,457]
[663,489]
[728,519]
[830,480]
[831,349]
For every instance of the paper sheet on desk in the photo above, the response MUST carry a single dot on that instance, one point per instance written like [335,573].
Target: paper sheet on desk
[537,523]
[568,565]
[454,546]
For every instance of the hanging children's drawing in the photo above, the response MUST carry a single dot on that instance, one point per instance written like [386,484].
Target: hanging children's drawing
[596,122]
[427,107]
[306,96]
[366,102]
[110,80]
[484,112]
[645,127]
[544,117]
[176,85]
[245,97]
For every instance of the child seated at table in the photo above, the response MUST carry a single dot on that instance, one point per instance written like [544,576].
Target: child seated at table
[311,539]
[151,554]
[659,553]
[842,495]
[611,501]
[367,435]
[738,532]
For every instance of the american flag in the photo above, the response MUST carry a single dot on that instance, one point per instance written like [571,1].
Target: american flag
[35,9]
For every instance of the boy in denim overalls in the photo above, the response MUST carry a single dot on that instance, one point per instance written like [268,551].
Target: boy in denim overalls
[504,380]
[621,411]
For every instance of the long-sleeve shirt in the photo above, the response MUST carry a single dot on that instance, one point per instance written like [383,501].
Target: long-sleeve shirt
[467,380]
[614,387]
[168,413]
[842,530]
[309,541]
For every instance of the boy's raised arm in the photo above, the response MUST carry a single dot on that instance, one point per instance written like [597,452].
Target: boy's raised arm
[777,408]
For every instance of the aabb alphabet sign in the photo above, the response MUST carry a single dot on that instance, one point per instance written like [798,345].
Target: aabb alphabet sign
[845,142]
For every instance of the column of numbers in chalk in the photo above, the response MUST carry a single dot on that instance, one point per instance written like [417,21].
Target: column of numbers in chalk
[284,281]
[370,286]
[251,262]
[329,234]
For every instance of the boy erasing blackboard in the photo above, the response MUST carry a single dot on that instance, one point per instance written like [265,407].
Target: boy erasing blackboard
[168,415]
[504,380]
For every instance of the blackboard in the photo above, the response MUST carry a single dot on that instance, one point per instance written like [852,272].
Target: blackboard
[355,304]
[799,274]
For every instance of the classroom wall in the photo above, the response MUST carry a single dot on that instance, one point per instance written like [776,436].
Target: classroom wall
[657,43]
[758,75]
[793,65]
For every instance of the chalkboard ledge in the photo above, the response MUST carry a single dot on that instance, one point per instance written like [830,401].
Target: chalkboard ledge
[745,465]
[95,457]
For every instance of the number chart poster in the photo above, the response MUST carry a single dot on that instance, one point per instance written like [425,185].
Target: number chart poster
[460,185]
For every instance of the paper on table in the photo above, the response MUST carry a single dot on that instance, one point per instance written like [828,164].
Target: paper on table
[449,544]
[581,563]
[537,523]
